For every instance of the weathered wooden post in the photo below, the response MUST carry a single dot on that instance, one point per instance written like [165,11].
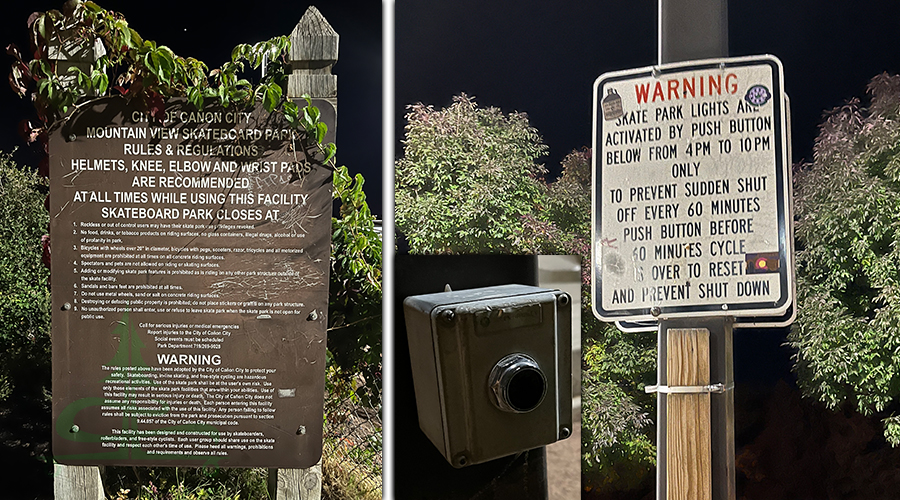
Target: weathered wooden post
[314,50]
[75,482]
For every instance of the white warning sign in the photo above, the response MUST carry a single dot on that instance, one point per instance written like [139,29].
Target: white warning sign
[691,191]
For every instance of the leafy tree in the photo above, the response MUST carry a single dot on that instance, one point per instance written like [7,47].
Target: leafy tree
[466,178]
[445,203]
[143,71]
[617,442]
[354,333]
[847,332]
[569,197]
[561,223]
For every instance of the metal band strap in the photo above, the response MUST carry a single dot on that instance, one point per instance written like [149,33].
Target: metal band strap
[688,389]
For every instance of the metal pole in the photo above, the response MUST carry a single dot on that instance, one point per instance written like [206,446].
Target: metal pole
[693,30]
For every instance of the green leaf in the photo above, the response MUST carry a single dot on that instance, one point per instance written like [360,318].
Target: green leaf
[40,27]
[238,51]
[313,113]
[125,33]
[93,7]
[273,52]
[307,122]
[103,62]
[45,88]
[289,108]
[272,97]
[321,130]
[195,97]
[330,151]
[136,39]
[99,81]
[166,63]
[151,61]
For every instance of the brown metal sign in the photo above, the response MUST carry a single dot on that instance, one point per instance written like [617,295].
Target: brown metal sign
[189,287]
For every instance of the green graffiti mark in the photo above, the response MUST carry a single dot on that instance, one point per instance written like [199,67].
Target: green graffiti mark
[130,371]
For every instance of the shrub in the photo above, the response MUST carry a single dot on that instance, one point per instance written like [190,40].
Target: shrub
[467,177]
[24,291]
[847,200]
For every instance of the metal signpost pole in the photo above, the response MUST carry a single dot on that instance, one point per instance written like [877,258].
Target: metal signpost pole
[692,227]
[693,30]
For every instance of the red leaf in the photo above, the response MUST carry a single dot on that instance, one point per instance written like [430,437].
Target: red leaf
[15,84]
[26,72]
[122,90]
[136,87]
[33,17]
[13,51]
[26,131]
[157,106]
[44,169]
[69,7]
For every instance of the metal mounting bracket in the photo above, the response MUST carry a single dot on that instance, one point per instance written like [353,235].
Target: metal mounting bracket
[688,389]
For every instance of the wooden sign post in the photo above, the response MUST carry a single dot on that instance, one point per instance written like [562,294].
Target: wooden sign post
[688,442]
[314,50]
[76,482]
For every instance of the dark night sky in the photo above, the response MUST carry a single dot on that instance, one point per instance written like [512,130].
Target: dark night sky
[542,57]
[209,30]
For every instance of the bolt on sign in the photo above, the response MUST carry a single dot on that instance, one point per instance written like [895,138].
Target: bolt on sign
[691,201]
[189,287]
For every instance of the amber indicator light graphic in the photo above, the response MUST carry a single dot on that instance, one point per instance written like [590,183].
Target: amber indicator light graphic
[759,263]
